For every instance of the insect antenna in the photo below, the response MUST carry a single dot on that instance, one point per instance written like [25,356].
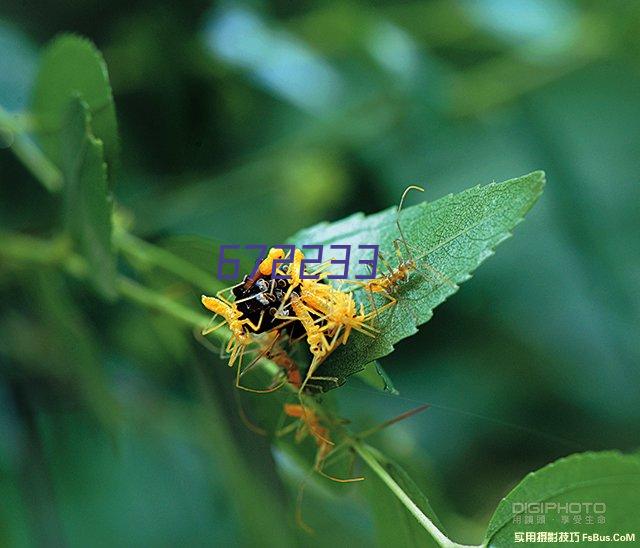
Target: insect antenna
[407,247]
[385,424]
[402,236]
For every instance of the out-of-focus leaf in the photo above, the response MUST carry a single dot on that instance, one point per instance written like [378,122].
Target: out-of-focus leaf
[203,253]
[180,261]
[374,375]
[265,198]
[608,478]
[157,470]
[87,203]
[72,65]
[449,238]
[252,499]
[274,59]
[17,67]
[71,349]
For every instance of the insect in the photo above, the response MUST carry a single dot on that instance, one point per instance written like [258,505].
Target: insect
[271,350]
[335,315]
[288,365]
[252,312]
[233,317]
[265,268]
[266,305]
[388,284]
[309,423]
[326,314]
[338,309]
[319,345]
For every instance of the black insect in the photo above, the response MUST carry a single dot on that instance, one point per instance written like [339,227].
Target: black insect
[260,301]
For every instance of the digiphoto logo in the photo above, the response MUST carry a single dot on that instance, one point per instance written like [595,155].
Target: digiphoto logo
[558,508]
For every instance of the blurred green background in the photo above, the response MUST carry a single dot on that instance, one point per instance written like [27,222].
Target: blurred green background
[245,121]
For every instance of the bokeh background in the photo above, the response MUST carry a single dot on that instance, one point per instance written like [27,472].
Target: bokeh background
[242,122]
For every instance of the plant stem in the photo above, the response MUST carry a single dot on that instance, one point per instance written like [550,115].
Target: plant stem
[367,455]
[156,301]
[57,252]
[157,256]
[30,155]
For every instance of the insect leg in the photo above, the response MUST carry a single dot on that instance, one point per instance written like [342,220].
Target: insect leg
[443,277]
[220,293]
[245,419]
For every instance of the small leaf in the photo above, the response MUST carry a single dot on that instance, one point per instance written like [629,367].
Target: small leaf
[374,375]
[72,65]
[449,238]
[87,207]
[609,478]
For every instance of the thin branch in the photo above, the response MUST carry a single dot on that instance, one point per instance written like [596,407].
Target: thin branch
[30,155]
[365,452]
[157,256]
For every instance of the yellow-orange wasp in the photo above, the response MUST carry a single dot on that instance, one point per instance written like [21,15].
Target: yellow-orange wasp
[240,337]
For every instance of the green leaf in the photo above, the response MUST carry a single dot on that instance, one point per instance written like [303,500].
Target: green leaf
[608,477]
[449,238]
[87,208]
[415,519]
[374,375]
[72,65]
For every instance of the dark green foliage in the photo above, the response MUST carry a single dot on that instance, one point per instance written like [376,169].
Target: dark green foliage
[246,123]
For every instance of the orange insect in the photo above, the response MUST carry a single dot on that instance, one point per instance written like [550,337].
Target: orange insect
[308,423]
[240,338]
[288,366]
[251,316]
[328,316]
[388,284]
